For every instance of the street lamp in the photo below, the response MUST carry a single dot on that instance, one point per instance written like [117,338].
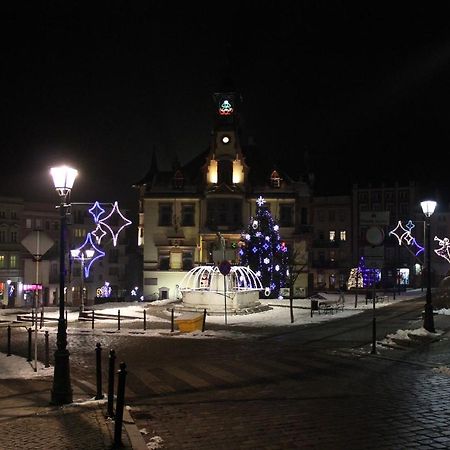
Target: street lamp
[428,208]
[82,256]
[63,179]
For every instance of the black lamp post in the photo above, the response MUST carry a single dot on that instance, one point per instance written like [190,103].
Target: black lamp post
[428,208]
[63,179]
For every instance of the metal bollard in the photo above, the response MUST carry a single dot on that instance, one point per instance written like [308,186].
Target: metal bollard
[122,373]
[93,318]
[374,336]
[47,353]
[145,319]
[8,350]
[118,319]
[29,344]
[204,320]
[32,316]
[66,319]
[41,324]
[112,359]
[171,322]
[98,357]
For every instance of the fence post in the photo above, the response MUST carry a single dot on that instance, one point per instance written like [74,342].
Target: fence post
[374,336]
[204,320]
[93,318]
[145,319]
[118,319]
[122,373]
[112,358]
[66,319]
[42,320]
[98,357]
[29,343]
[32,316]
[47,354]
[171,322]
[8,350]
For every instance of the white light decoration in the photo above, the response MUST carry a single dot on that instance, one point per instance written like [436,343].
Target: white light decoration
[115,210]
[267,291]
[266,260]
[255,224]
[277,267]
[399,234]
[96,211]
[444,250]
[267,238]
[276,227]
[260,201]
[247,237]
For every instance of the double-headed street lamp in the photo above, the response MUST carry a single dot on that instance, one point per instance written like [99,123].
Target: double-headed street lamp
[82,256]
[428,207]
[63,179]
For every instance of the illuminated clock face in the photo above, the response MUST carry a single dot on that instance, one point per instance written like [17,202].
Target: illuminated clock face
[225,139]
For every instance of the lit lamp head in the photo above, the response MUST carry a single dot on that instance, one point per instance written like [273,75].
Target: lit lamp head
[428,207]
[75,253]
[90,252]
[63,179]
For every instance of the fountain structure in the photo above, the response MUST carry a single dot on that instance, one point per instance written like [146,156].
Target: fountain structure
[204,287]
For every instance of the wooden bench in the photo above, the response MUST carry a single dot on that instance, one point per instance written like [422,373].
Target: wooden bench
[330,306]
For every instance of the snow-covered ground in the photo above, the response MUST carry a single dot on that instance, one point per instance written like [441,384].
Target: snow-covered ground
[276,316]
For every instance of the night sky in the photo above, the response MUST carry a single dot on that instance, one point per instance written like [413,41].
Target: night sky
[363,91]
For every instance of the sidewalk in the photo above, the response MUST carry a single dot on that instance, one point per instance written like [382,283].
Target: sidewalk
[28,421]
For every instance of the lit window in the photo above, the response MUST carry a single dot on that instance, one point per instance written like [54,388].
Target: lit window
[332,235]
[343,235]
[13,262]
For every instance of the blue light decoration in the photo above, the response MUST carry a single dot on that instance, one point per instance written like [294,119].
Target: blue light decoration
[403,234]
[97,212]
[263,251]
[363,277]
[104,291]
[98,253]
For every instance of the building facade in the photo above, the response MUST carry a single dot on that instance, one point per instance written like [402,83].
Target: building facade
[195,214]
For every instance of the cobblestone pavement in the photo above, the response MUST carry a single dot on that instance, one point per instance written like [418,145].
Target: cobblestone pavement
[313,388]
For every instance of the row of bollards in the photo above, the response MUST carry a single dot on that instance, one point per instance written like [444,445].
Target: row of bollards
[30,341]
[117,415]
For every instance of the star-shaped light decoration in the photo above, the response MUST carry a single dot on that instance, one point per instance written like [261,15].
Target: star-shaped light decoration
[125,221]
[97,253]
[400,234]
[96,211]
[99,233]
[260,201]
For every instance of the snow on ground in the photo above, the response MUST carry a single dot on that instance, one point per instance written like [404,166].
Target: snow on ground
[278,315]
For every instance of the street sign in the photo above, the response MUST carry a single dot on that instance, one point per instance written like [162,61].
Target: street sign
[37,243]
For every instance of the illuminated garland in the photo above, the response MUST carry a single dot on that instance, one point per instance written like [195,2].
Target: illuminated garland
[404,234]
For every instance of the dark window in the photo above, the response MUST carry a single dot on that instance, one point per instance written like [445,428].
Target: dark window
[225,171]
[286,215]
[164,262]
[188,260]
[187,215]
[224,212]
[165,215]
[304,216]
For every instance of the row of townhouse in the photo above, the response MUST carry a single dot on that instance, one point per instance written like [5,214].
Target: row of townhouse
[23,273]
[187,212]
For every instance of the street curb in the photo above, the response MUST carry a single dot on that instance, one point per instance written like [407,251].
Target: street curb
[136,439]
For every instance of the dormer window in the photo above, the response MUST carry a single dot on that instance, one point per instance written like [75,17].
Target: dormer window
[275,180]
[178,180]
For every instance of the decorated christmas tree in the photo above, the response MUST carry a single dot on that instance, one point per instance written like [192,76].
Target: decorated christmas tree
[263,250]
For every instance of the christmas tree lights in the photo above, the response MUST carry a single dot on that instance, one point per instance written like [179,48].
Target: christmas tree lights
[263,251]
